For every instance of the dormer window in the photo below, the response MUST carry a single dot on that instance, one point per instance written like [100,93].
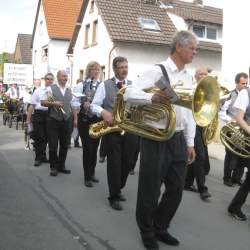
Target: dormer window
[205,32]
[149,24]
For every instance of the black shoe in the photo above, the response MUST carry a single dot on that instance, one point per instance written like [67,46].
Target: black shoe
[88,184]
[191,188]
[237,183]
[116,205]
[37,163]
[102,159]
[77,145]
[167,238]
[132,172]
[149,241]
[45,160]
[53,172]
[205,195]
[237,214]
[64,170]
[94,179]
[121,198]
[228,183]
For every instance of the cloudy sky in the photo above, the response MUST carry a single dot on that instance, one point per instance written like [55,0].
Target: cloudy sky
[17,16]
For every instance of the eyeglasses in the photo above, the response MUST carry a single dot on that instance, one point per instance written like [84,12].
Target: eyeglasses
[49,79]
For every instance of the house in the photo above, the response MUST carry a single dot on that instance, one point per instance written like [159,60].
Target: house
[142,30]
[53,28]
[22,52]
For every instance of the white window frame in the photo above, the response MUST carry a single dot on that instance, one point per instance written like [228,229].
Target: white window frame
[205,31]
[141,21]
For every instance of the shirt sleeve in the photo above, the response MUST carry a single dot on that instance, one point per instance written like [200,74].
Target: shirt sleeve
[96,104]
[242,100]
[34,98]
[76,101]
[189,128]
[46,94]
[223,112]
[135,94]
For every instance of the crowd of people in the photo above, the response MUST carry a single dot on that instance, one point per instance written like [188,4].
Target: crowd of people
[55,111]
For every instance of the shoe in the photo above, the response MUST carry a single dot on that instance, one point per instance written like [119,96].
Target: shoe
[191,188]
[238,183]
[116,205]
[64,170]
[37,163]
[53,172]
[88,184]
[45,160]
[237,214]
[132,172]
[102,159]
[121,198]
[77,145]
[94,179]
[149,242]
[205,195]
[228,183]
[167,238]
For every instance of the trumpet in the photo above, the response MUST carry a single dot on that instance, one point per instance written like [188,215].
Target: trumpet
[52,99]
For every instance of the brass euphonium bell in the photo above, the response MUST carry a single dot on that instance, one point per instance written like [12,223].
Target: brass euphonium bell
[143,120]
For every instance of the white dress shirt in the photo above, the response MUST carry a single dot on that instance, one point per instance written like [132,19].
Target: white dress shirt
[12,92]
[48,91]
[134,94]
[242,100]
[36,98]
[100,94]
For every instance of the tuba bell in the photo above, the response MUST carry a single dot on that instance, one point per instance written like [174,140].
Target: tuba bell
[235,139]
[143,120]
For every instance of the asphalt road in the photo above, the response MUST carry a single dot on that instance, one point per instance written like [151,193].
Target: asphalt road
[38,211]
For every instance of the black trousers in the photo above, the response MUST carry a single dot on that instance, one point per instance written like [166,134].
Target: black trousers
[58,133]
[103,147]
[89,147]
[39,119]
[120,148]
[160,162]
[200,168]
[233,167]
[241,195]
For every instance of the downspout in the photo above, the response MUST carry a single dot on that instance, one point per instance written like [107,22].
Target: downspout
[71,68]
[109,63]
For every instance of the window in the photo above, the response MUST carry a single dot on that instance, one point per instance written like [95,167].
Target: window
[149,24]
[45,54]
[95,33]
[92,6]
[41,28]
[86,41]
[205,32]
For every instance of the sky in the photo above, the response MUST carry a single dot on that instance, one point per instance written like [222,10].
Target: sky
[18,16]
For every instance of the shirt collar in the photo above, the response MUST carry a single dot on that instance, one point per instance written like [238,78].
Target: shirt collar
[125,81]
[172,66]
[66,86]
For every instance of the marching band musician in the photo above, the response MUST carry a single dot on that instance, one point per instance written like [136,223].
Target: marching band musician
[164,162]
[84,118]
[233,169]
[200,167]
[58,100]
[242,117]
[39,119]
[119,146]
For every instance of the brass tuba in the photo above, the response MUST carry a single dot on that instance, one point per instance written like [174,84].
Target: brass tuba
[141,119]
[235,139]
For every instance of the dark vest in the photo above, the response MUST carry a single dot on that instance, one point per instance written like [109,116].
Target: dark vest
[66,99]
[231,110]
[111,90]
[247,113]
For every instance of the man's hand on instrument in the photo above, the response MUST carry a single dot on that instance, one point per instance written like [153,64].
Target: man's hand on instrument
[58,104]
[191,155]
[107,117]
[160,97]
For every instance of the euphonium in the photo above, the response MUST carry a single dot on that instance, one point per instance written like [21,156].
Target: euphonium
[143,120]
[235,139]
[209,132]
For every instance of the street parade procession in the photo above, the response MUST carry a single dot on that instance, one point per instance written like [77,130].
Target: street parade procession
[124,127]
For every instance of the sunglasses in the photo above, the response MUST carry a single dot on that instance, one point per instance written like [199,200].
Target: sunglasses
[49,79]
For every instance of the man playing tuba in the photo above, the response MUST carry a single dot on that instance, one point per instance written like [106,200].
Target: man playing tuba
[164,162]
